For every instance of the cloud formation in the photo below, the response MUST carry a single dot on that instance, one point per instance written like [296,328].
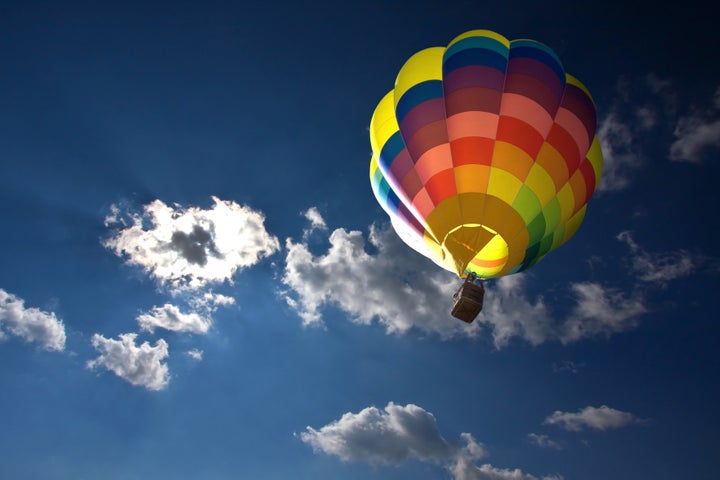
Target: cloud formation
[660,267]
[382,437]
[402,291]
[394,286]
[600,311]
[601,418]
[31,324]
[188,247]
[140,365]
[465,470]
[399,433]
[697,133]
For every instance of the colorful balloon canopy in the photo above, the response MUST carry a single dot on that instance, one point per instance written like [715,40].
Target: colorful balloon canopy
[485,154]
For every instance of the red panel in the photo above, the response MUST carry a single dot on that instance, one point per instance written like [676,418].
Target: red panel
[563,142]
[441,186]
[520,134]
[588,174]
[472,150]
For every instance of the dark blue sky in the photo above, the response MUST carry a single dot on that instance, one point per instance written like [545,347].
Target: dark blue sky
[315,345]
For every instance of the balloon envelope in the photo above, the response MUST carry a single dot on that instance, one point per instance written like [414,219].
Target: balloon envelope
[485,153]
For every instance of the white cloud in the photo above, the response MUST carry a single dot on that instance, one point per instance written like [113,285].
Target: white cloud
[395,286]
[600,311]
[170,317]
[509,313]
[382,437]
[317,222]
[195,354]
[658,268]
[402,290]
[30,324]
[186,248]
[601,418]
[620,153]
[140,365]
[543,441]
[399,433]
[697,133]
[465,470]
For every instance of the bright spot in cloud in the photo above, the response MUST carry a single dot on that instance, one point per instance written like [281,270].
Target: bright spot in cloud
[140,365]
[601,418]
[30,324]
[187,247]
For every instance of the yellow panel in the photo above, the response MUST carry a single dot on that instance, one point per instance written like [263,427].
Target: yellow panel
[596,159]
[541,184]
[574,223]
[424,65]
[566,198]
[472,207]
[444,217]
[481,33]
[383,123]
[464,243]
[503,185]
[491,259]
[471,178]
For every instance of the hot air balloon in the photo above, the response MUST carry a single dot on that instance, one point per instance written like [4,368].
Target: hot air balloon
[484,157]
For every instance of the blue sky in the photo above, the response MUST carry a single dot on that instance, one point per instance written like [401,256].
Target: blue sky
[196,280]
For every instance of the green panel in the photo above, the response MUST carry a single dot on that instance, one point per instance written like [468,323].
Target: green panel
[527,205]
[536,229]
[552,213]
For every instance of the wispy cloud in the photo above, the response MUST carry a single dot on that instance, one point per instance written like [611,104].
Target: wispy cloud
[30,324]
[543,441]
[621,154]
[600,311]
[601,418]
[317,222]
[658,267]
[187,247]
[170,317]
[698,133]
[195,354]
[567,366]
[398,433]
[140,365]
